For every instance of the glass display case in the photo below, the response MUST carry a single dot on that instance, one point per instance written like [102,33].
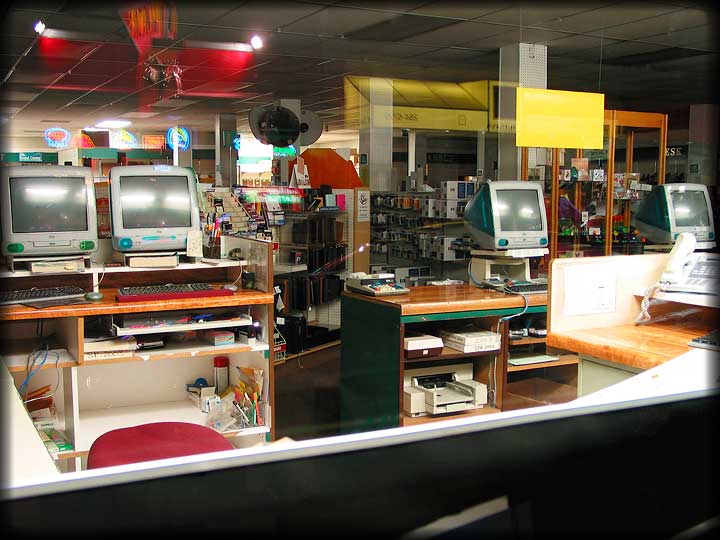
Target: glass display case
[589,197]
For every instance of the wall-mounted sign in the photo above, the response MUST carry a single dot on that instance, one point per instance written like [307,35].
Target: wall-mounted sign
[122,138]
[153,142]
[183,138]
[284,151]
[30,157]
[672,151]
[236,142]
[57,137]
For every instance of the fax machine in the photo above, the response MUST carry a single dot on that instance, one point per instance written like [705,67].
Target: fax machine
[442,389]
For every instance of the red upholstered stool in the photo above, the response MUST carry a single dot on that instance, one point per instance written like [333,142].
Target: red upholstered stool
[158,440]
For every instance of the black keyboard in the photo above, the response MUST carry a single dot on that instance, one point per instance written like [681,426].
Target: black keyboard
[167,288]
[169,291]
[708,341]
[49,293]
[530,288]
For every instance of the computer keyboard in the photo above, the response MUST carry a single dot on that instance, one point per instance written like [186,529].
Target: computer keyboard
[169,291]
[708,341]
[529,288]
[34,294]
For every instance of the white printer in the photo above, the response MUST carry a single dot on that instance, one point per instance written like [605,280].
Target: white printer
[442,389]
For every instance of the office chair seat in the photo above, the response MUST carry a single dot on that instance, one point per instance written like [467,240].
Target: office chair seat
[157,440]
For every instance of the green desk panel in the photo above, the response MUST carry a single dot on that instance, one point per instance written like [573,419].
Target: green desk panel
[370,366]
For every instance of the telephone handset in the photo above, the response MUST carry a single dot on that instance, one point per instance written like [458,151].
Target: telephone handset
[678,260]
[690,272]
[686,272]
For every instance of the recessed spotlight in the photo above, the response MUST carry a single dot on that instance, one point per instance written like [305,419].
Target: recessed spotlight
[110,124]
[39,27]
[256,42]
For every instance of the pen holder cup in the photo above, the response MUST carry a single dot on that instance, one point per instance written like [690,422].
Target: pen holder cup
[212,248]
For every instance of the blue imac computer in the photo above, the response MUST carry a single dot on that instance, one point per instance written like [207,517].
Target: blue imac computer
[48,210]
[153,207]
[507,215]
[671,209]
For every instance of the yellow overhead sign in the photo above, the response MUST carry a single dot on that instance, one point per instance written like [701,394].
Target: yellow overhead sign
[429,118]
[559,119]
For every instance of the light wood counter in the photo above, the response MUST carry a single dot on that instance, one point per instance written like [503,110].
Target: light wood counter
[108,305]
[435,299]
[641,347]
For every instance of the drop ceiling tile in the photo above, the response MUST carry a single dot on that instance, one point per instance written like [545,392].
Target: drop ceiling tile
[596,19]
[517,14]
[507,36]
[454,34]
[456,9]
[701,37]
[573,45]
[338,21]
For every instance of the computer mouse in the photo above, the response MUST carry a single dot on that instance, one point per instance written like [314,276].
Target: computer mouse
[230,286]
[92,295]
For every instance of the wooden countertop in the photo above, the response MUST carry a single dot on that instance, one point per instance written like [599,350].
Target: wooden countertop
[450,298]
[108,305]
[642,347]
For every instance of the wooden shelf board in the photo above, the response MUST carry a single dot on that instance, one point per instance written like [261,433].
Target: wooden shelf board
[209,325]
[562,361]
[16,362]
[449,354]
[180,350]
[417,420]
[525,341]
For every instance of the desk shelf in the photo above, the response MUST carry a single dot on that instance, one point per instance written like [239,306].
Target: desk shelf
[179,350]
[420,420]
[450,354]
[94,423]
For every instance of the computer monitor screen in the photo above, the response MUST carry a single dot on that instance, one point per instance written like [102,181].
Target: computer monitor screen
[519,210]
[155,201]
[508,214]
[153,207]
[690,208]
[48,210]
[46,204]
[670,209]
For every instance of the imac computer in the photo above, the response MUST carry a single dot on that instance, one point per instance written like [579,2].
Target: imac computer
[671,209]
[508,222]
[153,207]
[48,210]
[507,215]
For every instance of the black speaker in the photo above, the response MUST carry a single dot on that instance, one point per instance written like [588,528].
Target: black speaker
[294,331]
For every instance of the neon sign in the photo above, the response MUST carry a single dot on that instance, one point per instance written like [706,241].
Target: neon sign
[122,138]
[183,138]
[57,137]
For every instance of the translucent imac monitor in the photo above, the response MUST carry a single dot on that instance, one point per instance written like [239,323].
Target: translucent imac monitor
[507,215]
[153,207]
[48,210]
[671,209]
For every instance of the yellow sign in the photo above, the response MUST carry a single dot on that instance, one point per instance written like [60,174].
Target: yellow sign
[559,119]
[429,118]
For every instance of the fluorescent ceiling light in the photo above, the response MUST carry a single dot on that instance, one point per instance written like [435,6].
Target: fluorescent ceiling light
[221,45]
[113,124]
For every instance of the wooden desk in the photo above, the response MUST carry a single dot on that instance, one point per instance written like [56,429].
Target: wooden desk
[373,364]
[611,346]
[97,395]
